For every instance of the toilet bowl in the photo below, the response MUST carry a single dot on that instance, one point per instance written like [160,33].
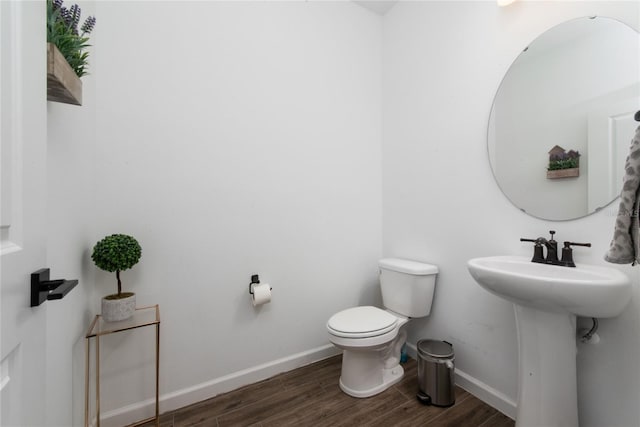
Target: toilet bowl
[371,338]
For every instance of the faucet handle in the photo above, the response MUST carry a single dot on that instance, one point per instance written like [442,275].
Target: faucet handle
[538,255]
[568,244]
[567,253]
[537,241]
[552,232]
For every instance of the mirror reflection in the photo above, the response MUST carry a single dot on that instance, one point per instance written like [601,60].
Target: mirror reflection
[562,119]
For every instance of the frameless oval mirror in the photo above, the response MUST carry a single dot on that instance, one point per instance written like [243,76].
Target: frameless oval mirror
[562,119]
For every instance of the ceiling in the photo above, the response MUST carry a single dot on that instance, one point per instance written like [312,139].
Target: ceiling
[377,6]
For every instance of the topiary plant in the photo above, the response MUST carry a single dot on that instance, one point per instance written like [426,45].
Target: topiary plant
[117,252]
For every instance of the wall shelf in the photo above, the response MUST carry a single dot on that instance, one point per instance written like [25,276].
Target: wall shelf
[63,85]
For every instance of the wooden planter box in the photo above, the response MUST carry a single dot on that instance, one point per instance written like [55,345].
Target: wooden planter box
[563,173]
[63,85]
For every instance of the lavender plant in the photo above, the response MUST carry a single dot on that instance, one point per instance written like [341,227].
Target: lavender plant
[62,30]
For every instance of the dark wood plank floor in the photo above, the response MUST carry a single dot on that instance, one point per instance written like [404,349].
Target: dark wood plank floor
[310,396]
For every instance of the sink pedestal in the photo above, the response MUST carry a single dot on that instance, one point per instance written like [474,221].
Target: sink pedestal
[547,383]
[547,299]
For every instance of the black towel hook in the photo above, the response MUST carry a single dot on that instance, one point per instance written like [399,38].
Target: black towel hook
[637,116]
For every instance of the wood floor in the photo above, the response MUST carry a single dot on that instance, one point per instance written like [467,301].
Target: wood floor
[310,396]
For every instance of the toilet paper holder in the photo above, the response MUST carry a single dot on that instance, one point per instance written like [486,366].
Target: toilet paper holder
[255,280]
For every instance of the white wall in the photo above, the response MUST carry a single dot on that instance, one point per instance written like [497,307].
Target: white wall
[245,138]
[236,138]
[70,216]
[443,62]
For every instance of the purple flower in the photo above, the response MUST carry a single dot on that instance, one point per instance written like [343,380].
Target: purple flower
[66,16]
[75,18]
[88,25]
[57,4]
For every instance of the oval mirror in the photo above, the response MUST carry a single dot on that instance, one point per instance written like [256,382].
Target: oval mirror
[562,119]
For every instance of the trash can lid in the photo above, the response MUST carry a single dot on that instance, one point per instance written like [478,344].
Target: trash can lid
[435,348]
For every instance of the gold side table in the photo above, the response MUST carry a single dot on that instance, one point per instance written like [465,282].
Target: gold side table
[143,316]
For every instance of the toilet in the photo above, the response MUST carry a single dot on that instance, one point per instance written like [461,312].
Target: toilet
[371,338]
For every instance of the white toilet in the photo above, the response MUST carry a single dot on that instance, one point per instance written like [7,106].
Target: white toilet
[371,337]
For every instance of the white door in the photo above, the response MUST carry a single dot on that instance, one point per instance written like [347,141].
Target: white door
[610,131]
[22,210]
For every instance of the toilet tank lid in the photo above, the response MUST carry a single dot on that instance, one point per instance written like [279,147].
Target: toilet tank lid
[407,266]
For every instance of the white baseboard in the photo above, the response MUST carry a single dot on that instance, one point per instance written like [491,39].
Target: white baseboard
[482,391]
[180,398]
[487,394]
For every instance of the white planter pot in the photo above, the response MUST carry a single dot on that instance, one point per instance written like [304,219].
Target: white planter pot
[114,310]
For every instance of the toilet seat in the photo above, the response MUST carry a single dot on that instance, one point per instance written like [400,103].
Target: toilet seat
[361,322]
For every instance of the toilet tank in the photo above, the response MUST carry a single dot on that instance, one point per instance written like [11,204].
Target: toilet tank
[407,286]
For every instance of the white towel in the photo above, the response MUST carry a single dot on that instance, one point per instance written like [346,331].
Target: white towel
[625,246]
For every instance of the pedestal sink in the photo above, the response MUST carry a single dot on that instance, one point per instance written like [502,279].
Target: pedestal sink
[547,299]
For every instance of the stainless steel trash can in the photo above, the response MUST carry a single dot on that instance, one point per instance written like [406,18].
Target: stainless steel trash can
[435,373]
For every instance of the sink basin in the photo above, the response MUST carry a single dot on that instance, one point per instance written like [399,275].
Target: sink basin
[584,290]
[546,300]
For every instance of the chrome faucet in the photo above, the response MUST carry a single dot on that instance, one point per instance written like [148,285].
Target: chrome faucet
[552,251]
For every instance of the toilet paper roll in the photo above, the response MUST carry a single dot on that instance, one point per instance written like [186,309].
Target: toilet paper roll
[261,294]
